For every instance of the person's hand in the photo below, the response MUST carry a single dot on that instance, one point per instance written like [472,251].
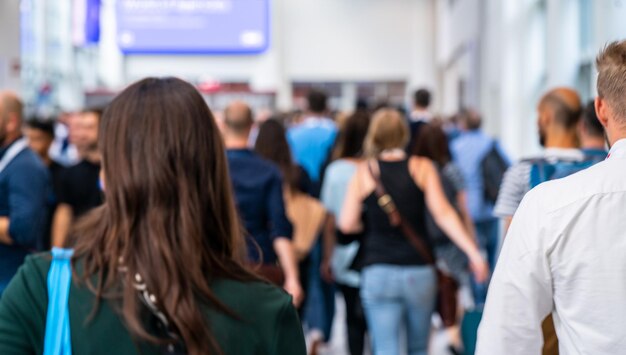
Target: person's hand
[326,271]
[480,268]
[295,290]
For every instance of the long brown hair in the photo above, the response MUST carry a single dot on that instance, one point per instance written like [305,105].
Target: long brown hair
[169,214]
[432,143]
[352,136]
[271,144]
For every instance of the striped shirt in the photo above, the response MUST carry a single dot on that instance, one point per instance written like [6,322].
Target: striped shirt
[516,181]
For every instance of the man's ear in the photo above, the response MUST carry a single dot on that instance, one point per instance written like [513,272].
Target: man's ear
[601,111]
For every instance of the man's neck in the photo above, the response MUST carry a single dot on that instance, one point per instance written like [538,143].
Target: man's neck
[236,142]
[593,143]
[562,142]
[8,139]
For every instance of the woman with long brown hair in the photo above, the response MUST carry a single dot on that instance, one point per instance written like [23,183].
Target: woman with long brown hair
[159,267]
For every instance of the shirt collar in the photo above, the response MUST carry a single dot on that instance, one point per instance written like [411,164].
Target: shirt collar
[563,153]
[5,149]
[618,149]
[421,115]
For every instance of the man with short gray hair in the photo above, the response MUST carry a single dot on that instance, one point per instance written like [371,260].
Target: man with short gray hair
[564,252]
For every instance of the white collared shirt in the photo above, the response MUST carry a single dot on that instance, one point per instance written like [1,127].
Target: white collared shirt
[565,254]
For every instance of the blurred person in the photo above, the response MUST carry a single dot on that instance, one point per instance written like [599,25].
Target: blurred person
[471,150]
[559,112]
[564,252]
[79,185]
[432,143]
[311,142]
[40,136]
[340,250]
[24,187]
[313,138]
[419,116]
[159,267]
[397,283]
[258,191]
[305,213]
[591,135]
[62,150]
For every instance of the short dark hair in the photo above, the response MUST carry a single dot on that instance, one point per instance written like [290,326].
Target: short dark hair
[238,117]
[422,98]
[470,119]
[97,110]
[317,101]
[45,126]
[567,114]
[590,120]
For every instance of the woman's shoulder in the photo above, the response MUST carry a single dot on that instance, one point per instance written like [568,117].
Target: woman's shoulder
[246,297]
[33,272]
[266,315]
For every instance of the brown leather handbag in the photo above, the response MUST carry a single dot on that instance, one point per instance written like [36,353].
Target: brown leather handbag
[447,287]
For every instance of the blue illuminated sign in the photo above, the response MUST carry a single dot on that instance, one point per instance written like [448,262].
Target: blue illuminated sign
[193,26]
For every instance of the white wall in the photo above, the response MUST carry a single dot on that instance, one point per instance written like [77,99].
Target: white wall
[9,44]
[525,48]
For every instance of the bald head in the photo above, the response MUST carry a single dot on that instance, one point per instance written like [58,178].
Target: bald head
[10,117]
[238,118]
[563,105]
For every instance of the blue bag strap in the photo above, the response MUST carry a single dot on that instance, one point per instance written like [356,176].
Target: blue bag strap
[57,339]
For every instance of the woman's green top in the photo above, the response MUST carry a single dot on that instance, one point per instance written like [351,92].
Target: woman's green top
[268,321]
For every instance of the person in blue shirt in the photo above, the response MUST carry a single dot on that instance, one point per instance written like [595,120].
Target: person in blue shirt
[24,188]
[312,139]
[258,188]
[468,151]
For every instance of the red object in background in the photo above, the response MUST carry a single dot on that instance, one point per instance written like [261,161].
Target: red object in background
[209,86]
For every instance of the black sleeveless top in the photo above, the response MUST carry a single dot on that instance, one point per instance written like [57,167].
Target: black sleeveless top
[383,243]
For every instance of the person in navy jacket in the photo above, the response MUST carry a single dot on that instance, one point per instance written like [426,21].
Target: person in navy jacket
[24,187]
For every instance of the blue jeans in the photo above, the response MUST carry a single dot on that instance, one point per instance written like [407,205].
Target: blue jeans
[395,297]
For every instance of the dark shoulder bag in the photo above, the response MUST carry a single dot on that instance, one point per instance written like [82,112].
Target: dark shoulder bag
[447,287]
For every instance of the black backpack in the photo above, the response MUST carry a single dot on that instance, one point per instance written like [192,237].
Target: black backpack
[492,167]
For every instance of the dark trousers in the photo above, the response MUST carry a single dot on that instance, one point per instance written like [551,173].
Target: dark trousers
[355,319]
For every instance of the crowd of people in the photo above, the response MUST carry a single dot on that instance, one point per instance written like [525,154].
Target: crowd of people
[180,224]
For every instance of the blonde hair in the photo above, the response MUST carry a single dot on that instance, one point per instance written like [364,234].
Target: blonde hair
[388,130]
[611,63]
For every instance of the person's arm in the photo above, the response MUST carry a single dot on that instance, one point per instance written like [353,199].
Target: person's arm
[61,223]
[4,231]
[288,263]
[520,294]
[515,184]
[28,208]
[281,231]
[461,200]
[427,177]
[328,243]
[350,218]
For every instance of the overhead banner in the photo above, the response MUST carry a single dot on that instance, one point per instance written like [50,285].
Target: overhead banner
[193,26]
[85,22]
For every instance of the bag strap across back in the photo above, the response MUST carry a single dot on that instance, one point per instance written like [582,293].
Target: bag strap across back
[395,218]
[57,339]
